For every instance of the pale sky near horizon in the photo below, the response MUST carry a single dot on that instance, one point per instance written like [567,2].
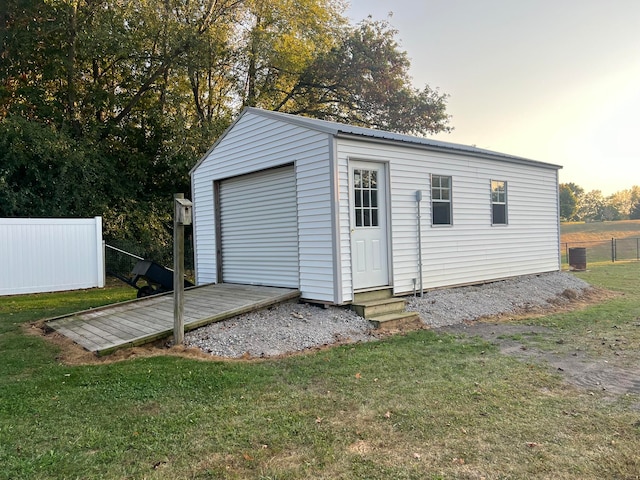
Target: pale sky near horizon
[551,80]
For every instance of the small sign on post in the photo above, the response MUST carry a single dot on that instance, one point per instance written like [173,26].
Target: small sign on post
[181,217]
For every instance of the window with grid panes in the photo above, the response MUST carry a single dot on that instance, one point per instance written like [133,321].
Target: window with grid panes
[498,202]
[366,197]
[440,200]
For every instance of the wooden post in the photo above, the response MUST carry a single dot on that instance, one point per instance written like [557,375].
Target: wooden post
[178,274]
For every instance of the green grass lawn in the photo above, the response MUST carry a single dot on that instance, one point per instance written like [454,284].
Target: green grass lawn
[596,238]
[414,406]
[581,231]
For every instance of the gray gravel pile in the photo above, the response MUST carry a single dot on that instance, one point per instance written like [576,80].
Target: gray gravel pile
[284,328]
[293,327]
[451,306]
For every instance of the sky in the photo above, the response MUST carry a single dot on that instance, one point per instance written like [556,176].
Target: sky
[551,80]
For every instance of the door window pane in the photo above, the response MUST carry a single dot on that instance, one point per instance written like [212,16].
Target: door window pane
[365,193]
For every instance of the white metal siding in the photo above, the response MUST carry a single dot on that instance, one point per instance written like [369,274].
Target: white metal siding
[47,255]
[259,229]
[471,250]
[257,143]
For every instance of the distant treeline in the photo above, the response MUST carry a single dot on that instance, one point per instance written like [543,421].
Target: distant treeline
[578,205]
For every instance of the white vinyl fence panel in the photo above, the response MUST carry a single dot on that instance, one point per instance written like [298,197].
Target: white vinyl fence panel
[50,254]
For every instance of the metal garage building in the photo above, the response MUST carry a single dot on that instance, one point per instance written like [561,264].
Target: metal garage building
[333,209]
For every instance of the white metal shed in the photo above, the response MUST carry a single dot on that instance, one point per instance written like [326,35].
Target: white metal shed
[333,209]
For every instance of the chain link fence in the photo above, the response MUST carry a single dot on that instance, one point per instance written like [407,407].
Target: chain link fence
[613,250]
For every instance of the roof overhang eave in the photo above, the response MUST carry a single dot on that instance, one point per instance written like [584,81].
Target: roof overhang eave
[451,150]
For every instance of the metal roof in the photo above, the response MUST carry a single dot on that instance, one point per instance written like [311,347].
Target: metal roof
[345,130]
[369,134]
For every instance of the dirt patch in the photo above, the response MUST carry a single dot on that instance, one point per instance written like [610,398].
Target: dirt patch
[577,368]
[73,354]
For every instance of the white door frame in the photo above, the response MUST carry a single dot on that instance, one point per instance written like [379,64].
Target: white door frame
[370,226]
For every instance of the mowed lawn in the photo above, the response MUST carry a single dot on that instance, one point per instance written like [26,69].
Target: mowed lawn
[420,405]
[573,232]
[597,238]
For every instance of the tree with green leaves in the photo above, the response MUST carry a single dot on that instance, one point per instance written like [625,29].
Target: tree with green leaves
[592,206]
[568,202]
[624,200]
[635,211]
[97,116]
[280,40]
[105,105]
[364,80]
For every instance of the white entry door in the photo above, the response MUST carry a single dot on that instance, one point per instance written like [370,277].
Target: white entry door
[369,233]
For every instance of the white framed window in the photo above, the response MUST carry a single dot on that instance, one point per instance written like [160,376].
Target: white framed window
[499,202]
[365,191]
[440,200]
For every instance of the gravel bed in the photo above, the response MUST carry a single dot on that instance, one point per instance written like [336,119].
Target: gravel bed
[451,306]
[284,328]
[292,327]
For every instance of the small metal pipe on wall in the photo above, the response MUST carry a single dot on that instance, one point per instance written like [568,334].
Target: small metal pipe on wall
[418,200]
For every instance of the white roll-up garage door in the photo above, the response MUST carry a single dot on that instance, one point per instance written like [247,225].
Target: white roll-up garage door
[258,223]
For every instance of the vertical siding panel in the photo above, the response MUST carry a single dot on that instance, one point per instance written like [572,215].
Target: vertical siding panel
[315,222]
[345,224]
[471,250]
[257,143]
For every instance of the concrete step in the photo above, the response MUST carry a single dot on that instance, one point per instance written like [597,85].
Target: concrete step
[374,308]
[400,320]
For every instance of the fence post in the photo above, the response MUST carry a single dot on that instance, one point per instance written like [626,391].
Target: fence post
[613,249]
[178,275]
[100,266]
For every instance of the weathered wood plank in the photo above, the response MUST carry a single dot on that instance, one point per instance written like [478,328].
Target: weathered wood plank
[107,349]
[99,333]
[85,337]
[127,330]
[106,329]
[81,338]
[127,317]
[135,327]
[151,315]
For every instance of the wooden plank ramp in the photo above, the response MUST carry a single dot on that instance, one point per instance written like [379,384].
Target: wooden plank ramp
[136,322]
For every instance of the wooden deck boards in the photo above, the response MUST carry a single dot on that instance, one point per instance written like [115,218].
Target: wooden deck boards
[103,330]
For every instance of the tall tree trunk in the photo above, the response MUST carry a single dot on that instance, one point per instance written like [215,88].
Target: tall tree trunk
[252,68]
[250,100]
[100,114]
[194,80]
[72,99]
